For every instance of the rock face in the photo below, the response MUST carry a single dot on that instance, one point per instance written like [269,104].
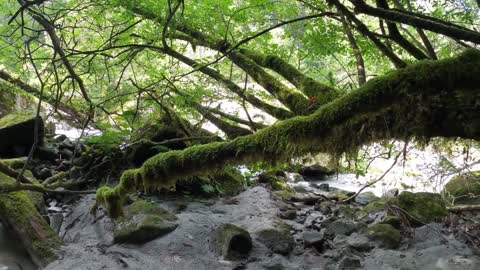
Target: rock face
[17,133]
[422,207]
[232,242]
[464,188]
[143,221]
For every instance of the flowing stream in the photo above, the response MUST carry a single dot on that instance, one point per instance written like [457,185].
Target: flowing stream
[13,255]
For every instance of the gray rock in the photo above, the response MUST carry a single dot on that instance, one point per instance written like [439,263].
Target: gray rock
[66,153]
[288,214]
[277,240]
[313,239]
[344,227]
[359,242]
[67,144]
[143,221]
[232,242]
[365,198]
[56,221]
[324,187]
[347,263]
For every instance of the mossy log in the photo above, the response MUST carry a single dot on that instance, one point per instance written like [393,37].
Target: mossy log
[18,214]
[424,100]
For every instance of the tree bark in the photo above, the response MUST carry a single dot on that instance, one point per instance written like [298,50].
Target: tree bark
[417,20]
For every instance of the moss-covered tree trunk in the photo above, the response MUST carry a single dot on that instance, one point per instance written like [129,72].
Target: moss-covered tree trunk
[425,100]
[19,215]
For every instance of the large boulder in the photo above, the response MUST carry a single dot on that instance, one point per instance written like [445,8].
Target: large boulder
[17,133]
[143,222]
[464,188]
[232,242]
[421,207]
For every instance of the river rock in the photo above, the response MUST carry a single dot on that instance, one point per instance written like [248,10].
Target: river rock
[385,234]
[365,198]
[288,214]
[278,240]
[313,239]
[143,221]
[232,242]
[17,133]
[422,207]
[348,262]
[359,242]
[344,227]
[464,188]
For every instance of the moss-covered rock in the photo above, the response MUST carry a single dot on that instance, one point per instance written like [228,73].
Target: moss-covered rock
[230,181]
[143,221]
[7,99]
[16,133]
[19,214]
[464,188]
[385,234]
[421,207]
[395,221]
[232,242]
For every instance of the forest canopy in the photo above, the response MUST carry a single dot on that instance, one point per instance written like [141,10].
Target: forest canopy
[268,79]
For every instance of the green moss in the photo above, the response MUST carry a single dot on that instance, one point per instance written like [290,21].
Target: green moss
[143,221]
[422,207]
[386,234]
[16,118]
[397,105]
[375,206]
[232,242]
[392,220]
[463,187]
[15,163]
[230,182]
[17,209]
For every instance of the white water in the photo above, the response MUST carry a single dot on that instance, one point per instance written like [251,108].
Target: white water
[423,170]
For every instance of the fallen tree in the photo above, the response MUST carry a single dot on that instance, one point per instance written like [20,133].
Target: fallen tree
[421,101]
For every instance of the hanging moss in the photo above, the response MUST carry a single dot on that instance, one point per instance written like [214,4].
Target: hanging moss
[428,99]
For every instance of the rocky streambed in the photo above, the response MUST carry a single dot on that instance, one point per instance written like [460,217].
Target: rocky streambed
[300,233]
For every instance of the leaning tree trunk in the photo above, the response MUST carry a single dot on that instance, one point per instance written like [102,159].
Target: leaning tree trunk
[19,215]
[425,100]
